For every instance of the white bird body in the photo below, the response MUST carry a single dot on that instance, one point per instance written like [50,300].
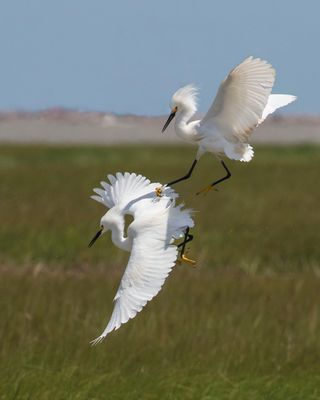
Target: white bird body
[149,238]
[243,102]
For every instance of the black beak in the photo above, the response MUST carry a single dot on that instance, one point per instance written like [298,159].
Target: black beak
[95,237]
[171,116]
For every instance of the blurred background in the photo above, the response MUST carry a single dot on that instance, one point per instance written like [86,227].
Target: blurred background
[85,90]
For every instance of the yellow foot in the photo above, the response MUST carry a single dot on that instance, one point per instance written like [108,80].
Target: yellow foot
[206,190]
[159,192]
[188,260]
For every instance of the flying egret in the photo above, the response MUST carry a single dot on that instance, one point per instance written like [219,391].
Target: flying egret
[243,102]
[149,239]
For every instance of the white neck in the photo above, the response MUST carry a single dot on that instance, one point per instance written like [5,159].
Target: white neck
[182,126]
[117,236]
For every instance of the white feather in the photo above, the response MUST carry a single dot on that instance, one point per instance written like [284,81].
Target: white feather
[126,191]
[243,101]
[185,98]
[276,101]
[157,221]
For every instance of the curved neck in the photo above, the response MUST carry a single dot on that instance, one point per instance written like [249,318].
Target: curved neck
[183,116]
[118,238]
[182,126]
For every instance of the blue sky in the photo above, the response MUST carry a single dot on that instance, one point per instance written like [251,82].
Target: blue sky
[129,56]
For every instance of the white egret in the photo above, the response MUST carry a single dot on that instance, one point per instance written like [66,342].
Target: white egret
[149,239]
[243,101]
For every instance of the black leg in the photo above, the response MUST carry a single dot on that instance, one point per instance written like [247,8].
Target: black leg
[187,238]
[225,177]
[208,188]
[187,176]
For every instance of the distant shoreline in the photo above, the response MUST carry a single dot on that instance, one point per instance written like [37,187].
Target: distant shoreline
[59,125]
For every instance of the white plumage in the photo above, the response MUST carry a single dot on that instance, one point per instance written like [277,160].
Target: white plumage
[243,101]
[149,239]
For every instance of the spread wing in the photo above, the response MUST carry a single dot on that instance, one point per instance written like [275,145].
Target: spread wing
[127,190]
[151,260]
[241,99]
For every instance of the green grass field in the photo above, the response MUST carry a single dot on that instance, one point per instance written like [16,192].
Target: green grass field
[244,324]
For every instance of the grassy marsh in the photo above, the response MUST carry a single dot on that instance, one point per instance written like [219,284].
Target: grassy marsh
[245,324]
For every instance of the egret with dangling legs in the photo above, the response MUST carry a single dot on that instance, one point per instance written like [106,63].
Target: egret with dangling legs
[243,102]
[157,223]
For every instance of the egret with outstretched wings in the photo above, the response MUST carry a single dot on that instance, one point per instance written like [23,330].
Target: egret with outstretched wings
[243,101]
[158,221]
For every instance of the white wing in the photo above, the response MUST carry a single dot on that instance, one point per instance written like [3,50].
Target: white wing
[127,190]
[276,101]
[241,99]
[151,260]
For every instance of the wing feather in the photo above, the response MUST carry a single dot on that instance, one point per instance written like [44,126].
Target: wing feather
[241,99]
[276,101]
[152,259]
[127,190]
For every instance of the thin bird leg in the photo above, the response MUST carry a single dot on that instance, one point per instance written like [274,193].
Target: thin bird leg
[210,187]
[187,176]
[187,238]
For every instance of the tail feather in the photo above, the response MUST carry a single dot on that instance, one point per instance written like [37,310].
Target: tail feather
[247,154]
[241,151]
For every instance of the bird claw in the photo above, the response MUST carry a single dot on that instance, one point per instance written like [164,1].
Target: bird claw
[206,190]
[159,191]
[187,260]
[164,190]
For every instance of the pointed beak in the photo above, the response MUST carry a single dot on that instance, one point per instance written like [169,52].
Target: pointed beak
[171,116]
[96,236]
